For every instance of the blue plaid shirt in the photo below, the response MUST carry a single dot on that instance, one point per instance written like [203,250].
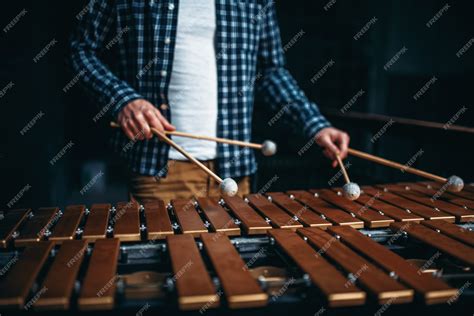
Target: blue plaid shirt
[123,50]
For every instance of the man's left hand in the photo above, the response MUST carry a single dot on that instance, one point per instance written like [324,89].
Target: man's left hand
[333,141]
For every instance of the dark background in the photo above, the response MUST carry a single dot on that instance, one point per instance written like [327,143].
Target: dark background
[328,35]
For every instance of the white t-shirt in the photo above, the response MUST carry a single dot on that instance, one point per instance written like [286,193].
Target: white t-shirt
[193,84]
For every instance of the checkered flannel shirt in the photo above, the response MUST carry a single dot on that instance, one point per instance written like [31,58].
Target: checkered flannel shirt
[123,50]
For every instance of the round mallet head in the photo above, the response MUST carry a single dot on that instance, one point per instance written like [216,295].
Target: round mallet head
[351,191]
[269,148]
[229,187]
[455,184]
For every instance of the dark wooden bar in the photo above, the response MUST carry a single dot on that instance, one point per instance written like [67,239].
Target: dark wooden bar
[240,288]
[333,285]
[278,217]
[303,213]
[97,221]
[10,224]
[218,217]
[158,222]
[330,212]
[193,282]
[252,222]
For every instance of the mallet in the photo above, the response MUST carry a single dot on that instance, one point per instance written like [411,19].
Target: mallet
[268,148]
[454,183]
[227,186]
[350,190]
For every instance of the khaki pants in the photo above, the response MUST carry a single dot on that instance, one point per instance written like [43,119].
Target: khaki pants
[184,181]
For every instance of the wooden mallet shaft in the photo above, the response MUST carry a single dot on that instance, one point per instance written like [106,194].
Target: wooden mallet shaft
[343,168]
[167,140]
[396,165]
[209,138]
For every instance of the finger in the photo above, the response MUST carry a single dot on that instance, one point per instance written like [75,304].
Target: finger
[130,129]
[154,121]
[328,144]
[344,144]
[334,164]
[142,125]
[166,125]
[329,154]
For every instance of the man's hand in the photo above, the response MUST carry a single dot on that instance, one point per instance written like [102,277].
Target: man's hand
[138,116]
[333,141]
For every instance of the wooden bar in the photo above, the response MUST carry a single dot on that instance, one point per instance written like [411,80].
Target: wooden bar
[68,223]
[220,219]
[10,224]
[278,217]
[97,222]
[158,223]
[438,241]
[371,218]
[330,212]
[442,188]
[469,187]
[252,222]
[98,286]
[438,195]
[193,282]
[303,213]
[384,288]
[400,215]
[452,230]
[461,214]
[414,207]
[240,288]
[35,228]
[431,289]
[127,221]
[335,288]
[62,275]
[17,284]
[188,218]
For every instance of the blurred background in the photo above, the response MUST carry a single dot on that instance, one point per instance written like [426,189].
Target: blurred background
[360,91]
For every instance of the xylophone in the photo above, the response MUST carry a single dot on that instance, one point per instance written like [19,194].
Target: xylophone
[405,244]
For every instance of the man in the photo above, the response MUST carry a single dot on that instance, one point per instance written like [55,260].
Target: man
[193,66]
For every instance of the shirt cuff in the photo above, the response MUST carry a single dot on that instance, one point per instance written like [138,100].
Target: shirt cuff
[314,125]
[122,98]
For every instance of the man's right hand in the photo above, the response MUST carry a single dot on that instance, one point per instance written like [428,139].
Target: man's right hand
[138,116]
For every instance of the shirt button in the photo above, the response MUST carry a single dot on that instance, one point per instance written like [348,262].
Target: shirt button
[167,40]
[171,6]
[163,73]
[164,106]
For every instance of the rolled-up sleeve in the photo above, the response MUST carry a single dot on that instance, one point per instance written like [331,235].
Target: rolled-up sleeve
[96,28]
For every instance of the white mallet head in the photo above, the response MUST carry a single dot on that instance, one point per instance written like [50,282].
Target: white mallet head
[455,184]
[269,148]
[351,191]
[229,187]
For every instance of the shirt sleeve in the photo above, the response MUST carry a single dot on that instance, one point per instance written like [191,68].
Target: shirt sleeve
[277,86]
[92,36]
